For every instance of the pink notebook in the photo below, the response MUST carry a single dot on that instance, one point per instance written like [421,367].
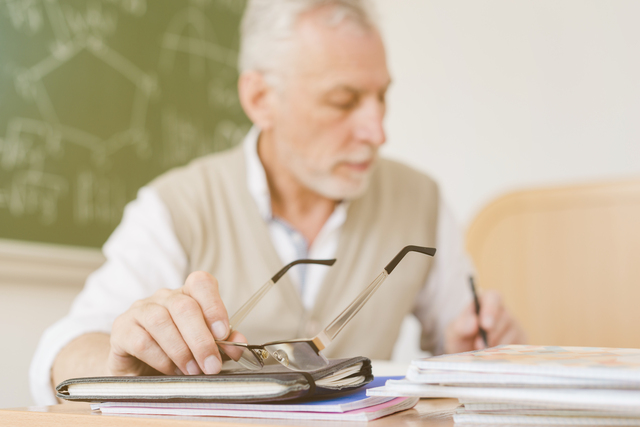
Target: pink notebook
[236,411]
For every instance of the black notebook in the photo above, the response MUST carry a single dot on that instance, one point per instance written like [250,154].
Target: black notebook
[273,383]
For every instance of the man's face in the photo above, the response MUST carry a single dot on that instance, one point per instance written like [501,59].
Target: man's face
[329,109]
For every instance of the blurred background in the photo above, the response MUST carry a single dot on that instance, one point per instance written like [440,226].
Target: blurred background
[98,97]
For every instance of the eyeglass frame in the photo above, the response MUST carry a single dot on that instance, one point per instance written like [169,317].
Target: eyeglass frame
[326,336]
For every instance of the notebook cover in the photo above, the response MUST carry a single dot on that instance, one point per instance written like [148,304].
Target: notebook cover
[588,399]
[535,420]
[598,363]
[342,402]
[498,379]
[362,414]
[297,385]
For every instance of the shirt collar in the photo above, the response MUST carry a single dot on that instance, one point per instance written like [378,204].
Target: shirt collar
[259,189]
[256,176]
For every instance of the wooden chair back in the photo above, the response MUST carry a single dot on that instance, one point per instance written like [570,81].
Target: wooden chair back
[566,260]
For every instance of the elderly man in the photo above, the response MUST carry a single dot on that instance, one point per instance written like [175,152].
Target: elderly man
[306,183]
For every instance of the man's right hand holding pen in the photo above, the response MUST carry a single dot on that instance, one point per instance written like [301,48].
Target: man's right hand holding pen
[499,326]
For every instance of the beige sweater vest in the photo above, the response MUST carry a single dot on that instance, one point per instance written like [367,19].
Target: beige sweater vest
[219,226]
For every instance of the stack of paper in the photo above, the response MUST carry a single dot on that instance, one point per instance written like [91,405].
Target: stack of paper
[353,406]
[530,385]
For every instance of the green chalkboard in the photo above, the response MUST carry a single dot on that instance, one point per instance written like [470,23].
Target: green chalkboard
[98,97]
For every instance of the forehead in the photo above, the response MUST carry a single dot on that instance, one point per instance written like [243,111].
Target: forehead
[345,54]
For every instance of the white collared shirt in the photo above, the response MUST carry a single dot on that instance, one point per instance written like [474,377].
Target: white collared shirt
[144,255]
[288,242]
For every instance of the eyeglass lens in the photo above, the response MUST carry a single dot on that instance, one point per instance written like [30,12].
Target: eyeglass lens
[298,356]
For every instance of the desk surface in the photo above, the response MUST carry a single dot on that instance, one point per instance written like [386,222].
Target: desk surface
[428,413]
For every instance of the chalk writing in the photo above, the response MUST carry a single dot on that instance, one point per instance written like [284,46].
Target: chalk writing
[103,95]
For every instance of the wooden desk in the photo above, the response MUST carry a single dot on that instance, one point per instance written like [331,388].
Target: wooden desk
[427,413]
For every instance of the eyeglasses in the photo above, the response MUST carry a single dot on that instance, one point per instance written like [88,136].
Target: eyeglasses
[237,353]
[304,354]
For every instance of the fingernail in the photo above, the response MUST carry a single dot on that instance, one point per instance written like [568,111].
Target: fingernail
[219,330]
[178,372]
[212,365]
[193,368]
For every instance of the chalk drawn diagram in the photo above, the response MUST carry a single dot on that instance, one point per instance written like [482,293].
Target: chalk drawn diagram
[73,33]
[35,182]
[191,33]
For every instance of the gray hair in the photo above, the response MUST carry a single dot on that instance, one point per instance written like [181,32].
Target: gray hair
[268,27]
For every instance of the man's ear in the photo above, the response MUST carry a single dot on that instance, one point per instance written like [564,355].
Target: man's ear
[256,98]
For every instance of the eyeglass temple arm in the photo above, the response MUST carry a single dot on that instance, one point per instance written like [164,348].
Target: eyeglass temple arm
[325,337]
[246,308]
[411,248]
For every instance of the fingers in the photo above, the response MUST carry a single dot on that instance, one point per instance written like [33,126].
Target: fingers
[490,309]
[493,318]
[210,323]
[237,337]
[466,325]
[499,324]
[502,324]
[203,287]
[126,355]
[508,331]
[187,316]
[513,336]
[172,331]
[478,343]
[158,322]
[234,352]
[462,332]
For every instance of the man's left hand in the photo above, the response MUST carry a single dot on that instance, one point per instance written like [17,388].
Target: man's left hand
[463,333]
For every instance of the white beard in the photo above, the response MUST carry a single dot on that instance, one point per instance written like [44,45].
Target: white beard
[332,187]
[324,181]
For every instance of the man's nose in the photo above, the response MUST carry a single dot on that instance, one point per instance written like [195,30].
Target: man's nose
[369,123]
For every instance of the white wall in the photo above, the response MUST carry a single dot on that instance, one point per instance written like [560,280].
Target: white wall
[37,285]
[495,96]
[491,96]
[26,310]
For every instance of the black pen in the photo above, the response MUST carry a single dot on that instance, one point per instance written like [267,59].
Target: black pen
[483,333]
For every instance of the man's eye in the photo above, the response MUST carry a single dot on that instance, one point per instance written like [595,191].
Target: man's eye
[344,104]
